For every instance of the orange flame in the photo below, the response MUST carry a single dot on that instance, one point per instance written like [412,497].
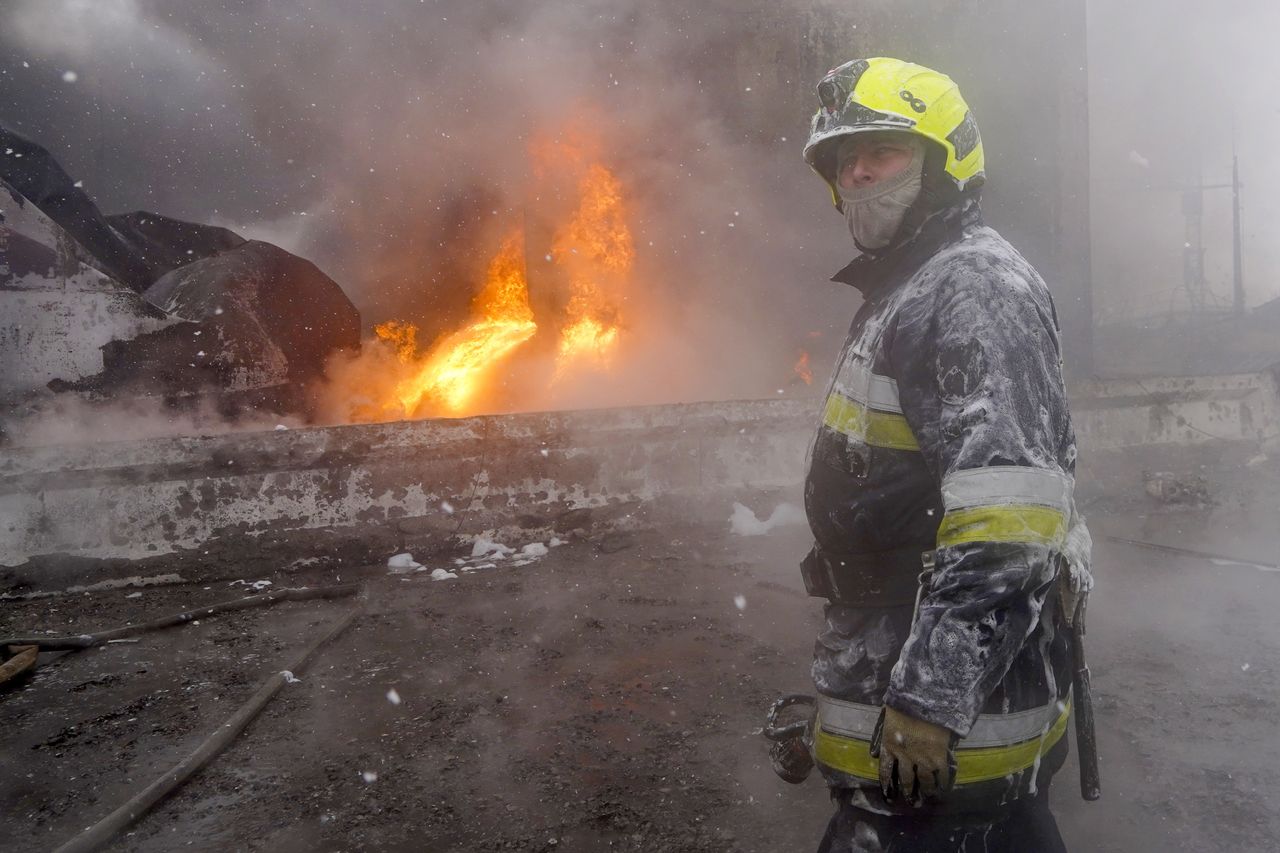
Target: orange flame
[596,248]
[402,336]
[592,253]
[802,368]
[457,365]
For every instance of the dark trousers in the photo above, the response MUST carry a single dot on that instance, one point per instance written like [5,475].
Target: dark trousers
[1024,826]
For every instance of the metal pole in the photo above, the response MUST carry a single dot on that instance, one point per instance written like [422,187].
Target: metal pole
[1237,269]
[1073,265]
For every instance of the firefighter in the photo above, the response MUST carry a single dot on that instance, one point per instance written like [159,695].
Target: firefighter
[939,491]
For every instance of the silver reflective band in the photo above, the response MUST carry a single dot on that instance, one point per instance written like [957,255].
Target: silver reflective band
[1007,484]
[855,720]
[859,384]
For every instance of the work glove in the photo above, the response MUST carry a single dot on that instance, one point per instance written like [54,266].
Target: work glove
[917,759]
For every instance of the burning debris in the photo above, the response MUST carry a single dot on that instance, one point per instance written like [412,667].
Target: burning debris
[595,249]
[451,373]
[802,370]
[577,327]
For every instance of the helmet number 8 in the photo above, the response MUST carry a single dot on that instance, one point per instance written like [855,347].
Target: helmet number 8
[916,104]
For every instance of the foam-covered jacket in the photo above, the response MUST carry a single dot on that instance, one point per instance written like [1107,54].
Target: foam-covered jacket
[945,431]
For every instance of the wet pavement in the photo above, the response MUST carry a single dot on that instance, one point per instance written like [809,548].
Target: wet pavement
[606,697]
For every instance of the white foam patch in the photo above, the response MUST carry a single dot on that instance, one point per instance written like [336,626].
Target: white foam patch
[484,547]
[743,522]
[403,564]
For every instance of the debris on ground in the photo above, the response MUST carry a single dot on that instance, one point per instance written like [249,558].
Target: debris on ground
[611,702]
[256,586]
[1171,488]
[614,541]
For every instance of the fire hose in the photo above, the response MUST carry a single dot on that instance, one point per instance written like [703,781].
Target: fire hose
[98,835]
[85,641]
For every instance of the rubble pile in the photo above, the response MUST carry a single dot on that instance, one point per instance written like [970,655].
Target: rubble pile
[139,304]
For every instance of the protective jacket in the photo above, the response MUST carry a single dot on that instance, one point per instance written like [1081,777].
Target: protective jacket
[945,433]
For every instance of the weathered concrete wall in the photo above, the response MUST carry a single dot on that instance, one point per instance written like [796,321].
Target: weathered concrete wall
[1116,413]
[220,504]
[230,505]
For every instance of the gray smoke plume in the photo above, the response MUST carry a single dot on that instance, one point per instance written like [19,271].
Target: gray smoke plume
[388,144]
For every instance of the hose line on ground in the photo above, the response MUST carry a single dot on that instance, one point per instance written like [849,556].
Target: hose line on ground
[98,835]
[84,641]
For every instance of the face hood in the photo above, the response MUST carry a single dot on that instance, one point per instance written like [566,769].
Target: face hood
[875,213]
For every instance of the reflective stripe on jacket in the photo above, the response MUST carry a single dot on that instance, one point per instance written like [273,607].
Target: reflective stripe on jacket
[998,745]
[946,428]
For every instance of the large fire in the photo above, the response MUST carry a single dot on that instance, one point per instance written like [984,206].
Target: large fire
[595,247]
[591,255]
[451,373]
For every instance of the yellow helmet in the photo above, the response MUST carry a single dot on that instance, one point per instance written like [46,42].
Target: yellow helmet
[889,94]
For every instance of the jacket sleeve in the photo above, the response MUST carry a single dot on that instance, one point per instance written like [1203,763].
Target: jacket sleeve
[981,385]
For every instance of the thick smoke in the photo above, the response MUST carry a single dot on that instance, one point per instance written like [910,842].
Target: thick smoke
[388,144]
[1169,87]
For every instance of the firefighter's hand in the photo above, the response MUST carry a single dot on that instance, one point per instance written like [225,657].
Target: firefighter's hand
[917,759]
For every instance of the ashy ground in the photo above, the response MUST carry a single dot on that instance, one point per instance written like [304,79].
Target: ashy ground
[608,695]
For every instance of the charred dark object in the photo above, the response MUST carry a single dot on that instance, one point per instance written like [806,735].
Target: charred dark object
[237,318]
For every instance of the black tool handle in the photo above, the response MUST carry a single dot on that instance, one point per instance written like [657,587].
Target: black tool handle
[1086,735]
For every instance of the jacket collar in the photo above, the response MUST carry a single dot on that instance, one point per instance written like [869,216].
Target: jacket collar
[876,275]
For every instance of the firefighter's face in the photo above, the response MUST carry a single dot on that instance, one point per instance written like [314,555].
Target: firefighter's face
[871,158]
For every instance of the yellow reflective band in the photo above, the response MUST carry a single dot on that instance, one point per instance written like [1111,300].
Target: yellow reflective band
[1037,525]
[846,754]
[983,764]
[995,762]
[878,429]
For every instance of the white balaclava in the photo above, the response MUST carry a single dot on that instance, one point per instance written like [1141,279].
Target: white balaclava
[875,212]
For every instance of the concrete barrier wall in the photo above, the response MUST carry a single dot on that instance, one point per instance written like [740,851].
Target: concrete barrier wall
[1114,414]
[234,504]
[227,504]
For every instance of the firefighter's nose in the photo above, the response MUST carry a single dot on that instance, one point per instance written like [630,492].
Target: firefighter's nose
[856,173]
[862,174]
